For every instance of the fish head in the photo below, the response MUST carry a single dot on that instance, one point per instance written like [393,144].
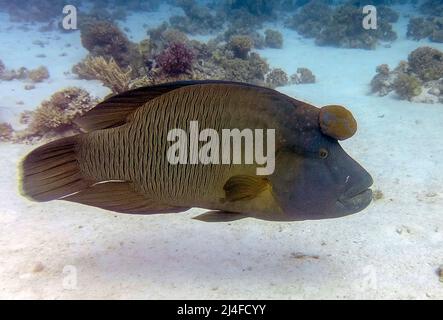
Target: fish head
[315,178]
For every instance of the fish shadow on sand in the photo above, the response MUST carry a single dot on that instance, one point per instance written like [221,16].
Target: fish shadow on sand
[200,254]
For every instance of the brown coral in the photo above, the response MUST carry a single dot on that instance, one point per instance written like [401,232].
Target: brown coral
[252,70]
[104,38]
[273,39]
[277,78]
[39,74]
[107,71]
[240,45]
[2,68]
[427,63]
[56,115]
[407,86]
[6,131]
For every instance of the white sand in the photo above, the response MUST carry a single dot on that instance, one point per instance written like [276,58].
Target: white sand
[390,250]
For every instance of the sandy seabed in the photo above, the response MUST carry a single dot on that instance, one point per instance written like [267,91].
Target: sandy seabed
[392,249]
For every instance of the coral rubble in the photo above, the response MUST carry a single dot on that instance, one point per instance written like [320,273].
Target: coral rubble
[277,78]
[419,79]
[303,75]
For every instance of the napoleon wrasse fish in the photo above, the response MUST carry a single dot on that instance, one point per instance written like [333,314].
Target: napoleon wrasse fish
[120,163]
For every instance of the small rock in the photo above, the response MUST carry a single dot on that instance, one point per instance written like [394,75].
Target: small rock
[431,194]
[377,195]
[29,87]
[403,228]
[434,91]
[299,255]
[440,273]
[38,267]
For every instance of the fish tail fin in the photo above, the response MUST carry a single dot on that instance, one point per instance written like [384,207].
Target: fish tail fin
[52,171]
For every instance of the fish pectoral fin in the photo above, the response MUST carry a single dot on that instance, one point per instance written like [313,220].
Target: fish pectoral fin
[219,216]
[245,187]
[120,197]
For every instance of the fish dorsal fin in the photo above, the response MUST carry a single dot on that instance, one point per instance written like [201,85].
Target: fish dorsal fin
[120,197]
[114,111]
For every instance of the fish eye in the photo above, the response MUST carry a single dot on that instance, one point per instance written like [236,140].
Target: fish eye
[323,153]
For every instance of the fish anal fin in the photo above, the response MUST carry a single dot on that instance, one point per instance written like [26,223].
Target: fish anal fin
[219,216]
[245,187]
[120,197]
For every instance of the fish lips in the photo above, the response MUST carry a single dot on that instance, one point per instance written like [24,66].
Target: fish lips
[356,198]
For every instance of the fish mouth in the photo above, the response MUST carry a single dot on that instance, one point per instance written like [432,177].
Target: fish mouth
[355,202]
